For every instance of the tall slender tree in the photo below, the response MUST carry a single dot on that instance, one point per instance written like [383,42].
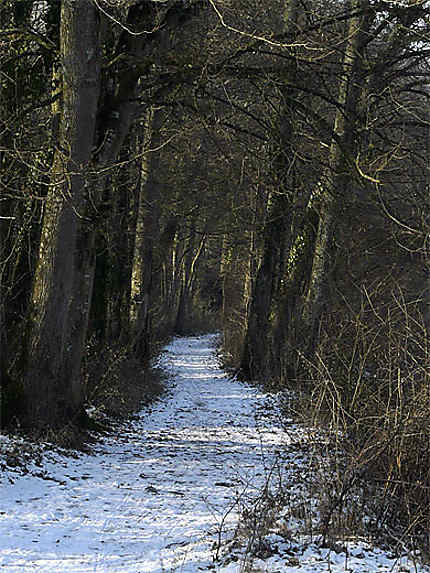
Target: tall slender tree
[145,236]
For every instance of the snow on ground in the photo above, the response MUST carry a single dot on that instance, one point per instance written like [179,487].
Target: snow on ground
[161,494]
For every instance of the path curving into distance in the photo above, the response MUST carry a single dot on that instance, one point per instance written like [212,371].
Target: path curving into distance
[157,496]
[153,498]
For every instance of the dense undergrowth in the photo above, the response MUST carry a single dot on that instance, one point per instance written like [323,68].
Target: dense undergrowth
[117,384]
[371,387]
[365,382]
[368,389]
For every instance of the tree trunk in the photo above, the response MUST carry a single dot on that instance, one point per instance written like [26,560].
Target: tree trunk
[52,399]
[112,131]
[190,258]
[255,356]
[145,237]
[113,127]
[288,331]
[335,183]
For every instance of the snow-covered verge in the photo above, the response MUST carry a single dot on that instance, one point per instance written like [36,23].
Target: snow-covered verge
[205,479]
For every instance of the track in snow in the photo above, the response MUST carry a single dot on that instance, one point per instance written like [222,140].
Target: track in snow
[153,498]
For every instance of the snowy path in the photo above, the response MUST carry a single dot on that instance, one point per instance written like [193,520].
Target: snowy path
[152,499]
[147,500]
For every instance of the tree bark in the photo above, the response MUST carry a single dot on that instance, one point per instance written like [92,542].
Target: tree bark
[193,250]
[113,127]
[334,185]
[255,355]
[50,395]
[145,237]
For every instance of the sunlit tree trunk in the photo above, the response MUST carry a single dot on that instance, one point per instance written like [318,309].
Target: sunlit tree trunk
[256,345]
[193,249]
[113,126]
[145,237]
[52,397]
[334,184]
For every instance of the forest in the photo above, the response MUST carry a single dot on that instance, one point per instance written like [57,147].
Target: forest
[255,168]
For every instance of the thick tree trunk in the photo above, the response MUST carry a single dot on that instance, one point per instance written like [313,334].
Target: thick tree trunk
[112,131]
[52,399]
[335,183]
[255,355]
[256,348]
[289,330]
[67,251]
